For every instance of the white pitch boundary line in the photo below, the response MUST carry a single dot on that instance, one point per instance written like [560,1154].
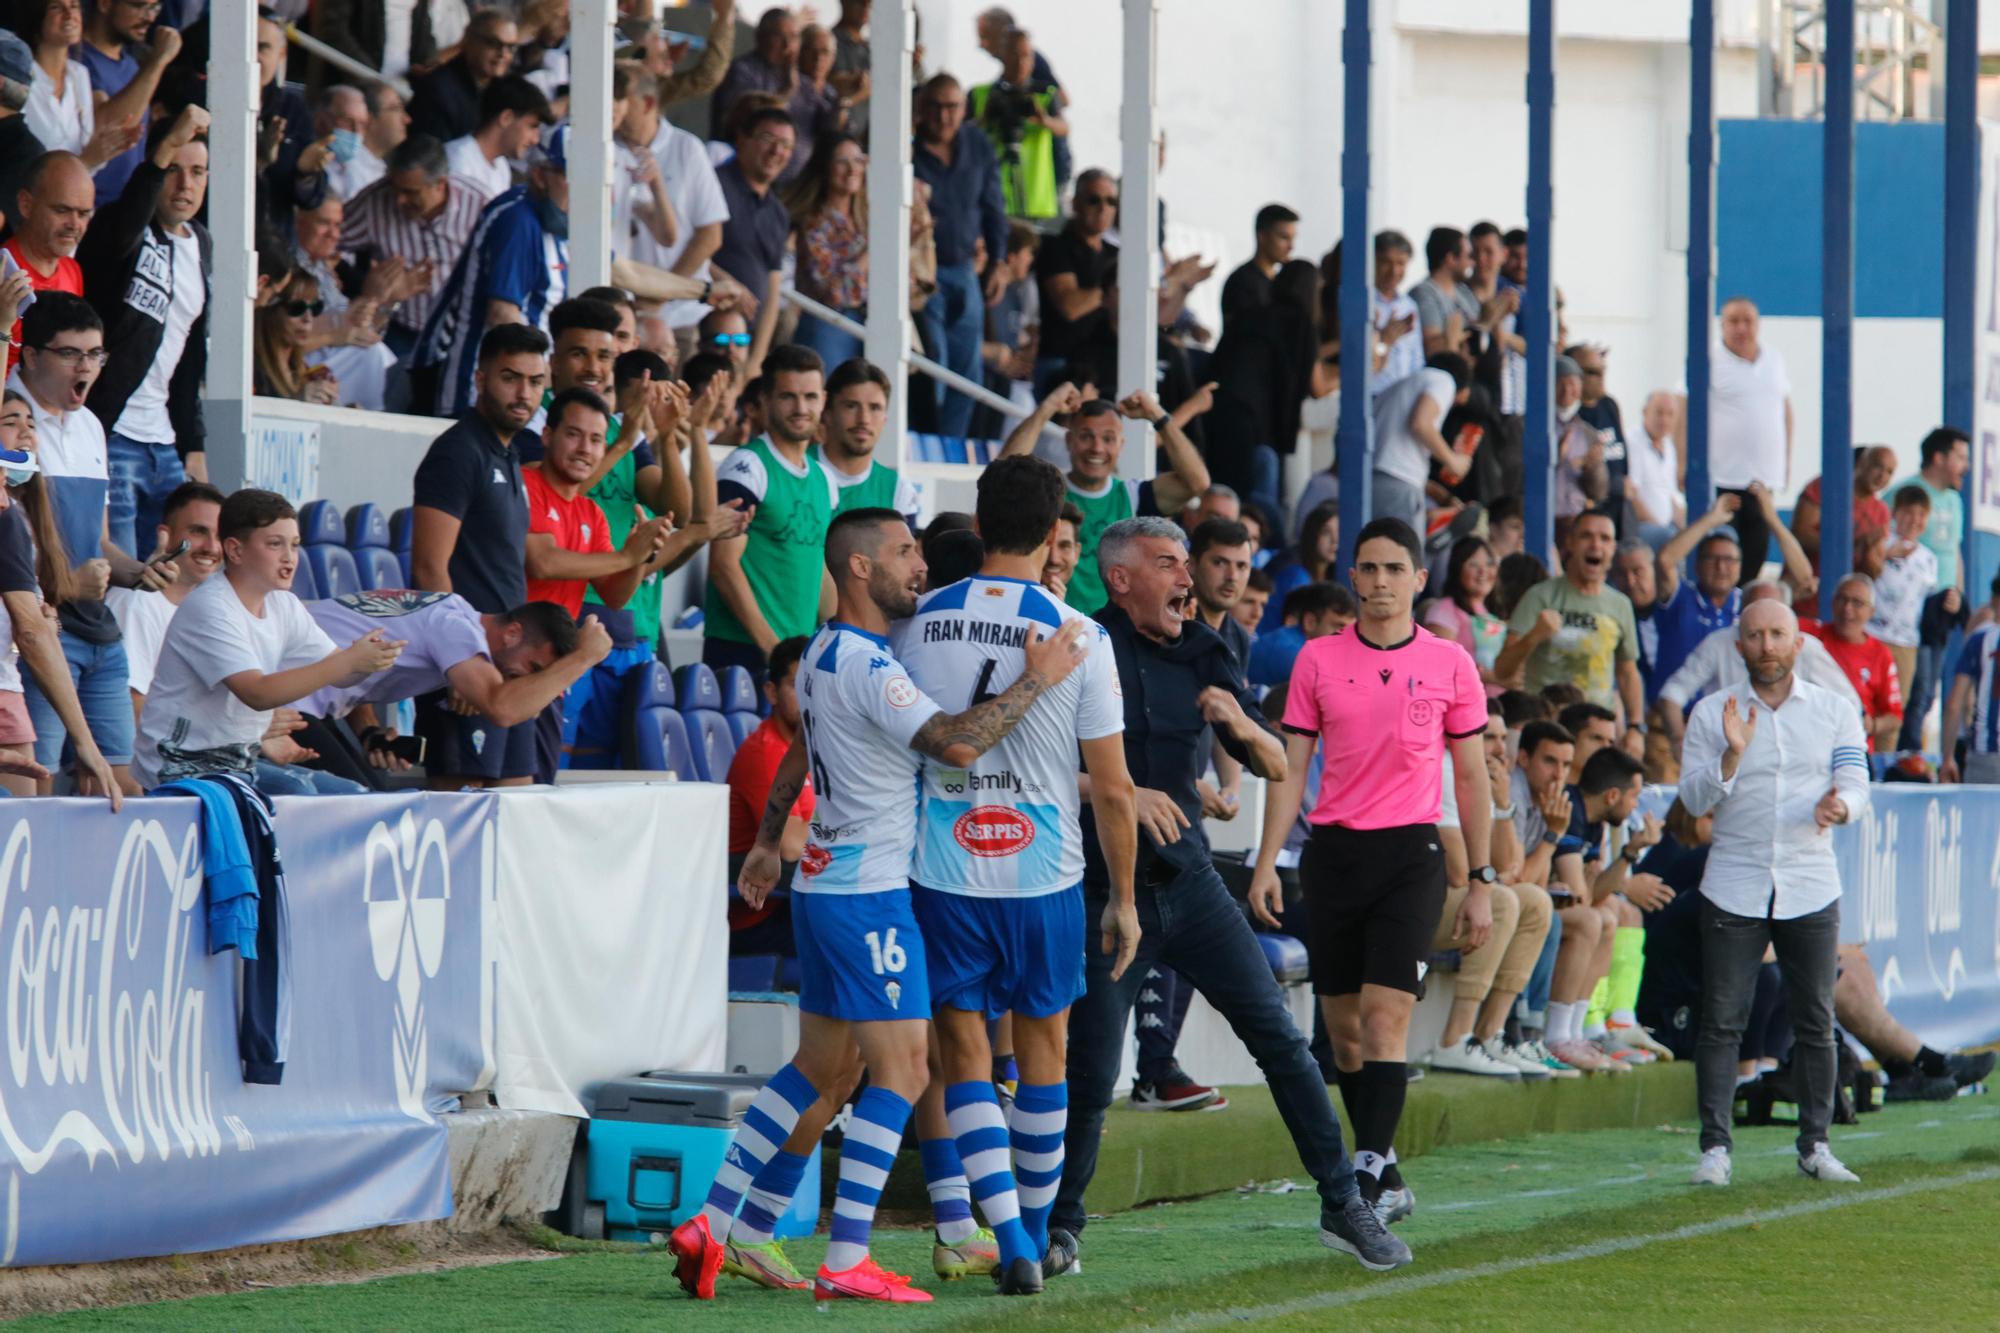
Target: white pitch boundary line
[1596,1249]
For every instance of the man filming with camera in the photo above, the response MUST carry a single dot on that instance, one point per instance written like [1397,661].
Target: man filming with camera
[1022,115]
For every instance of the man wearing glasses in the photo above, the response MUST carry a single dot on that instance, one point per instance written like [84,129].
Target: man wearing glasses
[445,102]
[62,355]
[956,160]
[1078,272]
[125,70]
[759,229]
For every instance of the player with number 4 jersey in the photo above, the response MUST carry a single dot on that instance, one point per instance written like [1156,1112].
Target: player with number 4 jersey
[864,729]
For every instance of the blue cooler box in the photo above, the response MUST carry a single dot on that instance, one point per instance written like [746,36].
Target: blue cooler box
[655,1144]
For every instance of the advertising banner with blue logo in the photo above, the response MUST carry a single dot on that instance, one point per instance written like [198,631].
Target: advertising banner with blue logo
[1920,879]
[125,1126]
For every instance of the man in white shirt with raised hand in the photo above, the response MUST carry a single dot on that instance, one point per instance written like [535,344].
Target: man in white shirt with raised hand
[1749,424]
[1778,762]
[1715,664]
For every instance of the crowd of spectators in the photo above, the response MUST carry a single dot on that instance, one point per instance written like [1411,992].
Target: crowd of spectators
[416,259]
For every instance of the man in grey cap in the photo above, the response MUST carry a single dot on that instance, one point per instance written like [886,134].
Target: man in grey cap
[1582,477]
[18,144]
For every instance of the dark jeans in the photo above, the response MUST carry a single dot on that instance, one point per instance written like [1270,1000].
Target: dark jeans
[1160,1019]
[1932,659]
[1191,924]
[1751,534]
[1732,953]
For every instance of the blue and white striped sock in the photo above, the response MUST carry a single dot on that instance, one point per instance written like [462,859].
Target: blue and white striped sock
[867,1153]
[950,1191]
[773,1115]
[770,1198]
[973,1112]
[1040,1117]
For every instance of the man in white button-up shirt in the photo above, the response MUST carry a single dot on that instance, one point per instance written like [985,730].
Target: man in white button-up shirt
[1779,762]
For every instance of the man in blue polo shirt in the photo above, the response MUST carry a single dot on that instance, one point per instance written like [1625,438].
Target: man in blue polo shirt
[1686,612]
[514,270]
[469,532]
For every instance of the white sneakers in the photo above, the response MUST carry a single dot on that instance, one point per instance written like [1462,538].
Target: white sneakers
[1819,1164]
[1469,1057]
[1514,1057]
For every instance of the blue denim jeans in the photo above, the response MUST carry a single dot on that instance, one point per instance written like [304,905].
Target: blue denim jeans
[833,345]
[291,780]
[953,320]
[1925,680]
[142,477]
[1191,924]
[99,673]
[1533,1005]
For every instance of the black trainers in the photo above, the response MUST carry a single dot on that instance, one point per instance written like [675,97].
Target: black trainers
[1062,1257]
[1357,1230]
[1023,1277]
[1917,1086]
[1967,1070]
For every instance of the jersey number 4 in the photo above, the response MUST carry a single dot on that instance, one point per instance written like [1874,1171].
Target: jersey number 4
[884,952]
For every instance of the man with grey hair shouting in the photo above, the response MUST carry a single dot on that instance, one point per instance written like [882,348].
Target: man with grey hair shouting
[1178,678]
[1779,762]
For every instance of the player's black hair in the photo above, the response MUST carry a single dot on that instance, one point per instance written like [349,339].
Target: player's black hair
[631,365]
[545,622]
[954,555]
[1395,530]
[1216,532]
[1610,769]
[1940,441]
[1544,732]
[790,359]
[1020,499]
[510,340]
[857,530]
[583,312]
[785,654]
[590,399]
[1317,599]
[1576,716]
[856,370]
[247,510]
[187,493]
[1520,708]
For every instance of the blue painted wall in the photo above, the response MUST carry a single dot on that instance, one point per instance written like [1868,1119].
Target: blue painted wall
[1767,218]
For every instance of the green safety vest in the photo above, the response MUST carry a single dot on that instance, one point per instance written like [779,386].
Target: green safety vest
[1030,184]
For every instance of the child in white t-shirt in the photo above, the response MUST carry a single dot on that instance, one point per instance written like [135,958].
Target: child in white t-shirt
[1908,578]
[241,646]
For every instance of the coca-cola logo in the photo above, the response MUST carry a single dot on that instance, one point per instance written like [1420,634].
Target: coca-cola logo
[993,830]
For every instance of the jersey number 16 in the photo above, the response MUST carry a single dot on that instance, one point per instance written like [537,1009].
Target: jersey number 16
[884,952]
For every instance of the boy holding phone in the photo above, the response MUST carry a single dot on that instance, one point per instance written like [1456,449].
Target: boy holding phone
[240,647]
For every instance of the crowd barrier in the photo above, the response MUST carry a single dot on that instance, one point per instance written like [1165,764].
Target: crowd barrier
[535,943]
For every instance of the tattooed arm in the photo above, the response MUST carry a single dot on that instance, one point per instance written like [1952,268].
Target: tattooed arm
[763,865]
[958,739]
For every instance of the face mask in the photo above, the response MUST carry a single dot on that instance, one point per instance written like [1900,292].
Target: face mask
[554,221]
[19,476]
[346,143]
[1567,413]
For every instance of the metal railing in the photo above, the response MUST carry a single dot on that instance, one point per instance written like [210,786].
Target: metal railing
[340,60]
[951,379]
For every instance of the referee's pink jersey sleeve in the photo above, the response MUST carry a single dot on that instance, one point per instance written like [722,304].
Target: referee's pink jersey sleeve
[1468,702]
[1302,711]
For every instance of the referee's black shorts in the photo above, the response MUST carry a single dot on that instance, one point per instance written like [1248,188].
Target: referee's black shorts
[1373,899]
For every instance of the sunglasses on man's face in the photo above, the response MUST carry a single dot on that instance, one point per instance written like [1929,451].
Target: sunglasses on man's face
[297,308]
[730,339]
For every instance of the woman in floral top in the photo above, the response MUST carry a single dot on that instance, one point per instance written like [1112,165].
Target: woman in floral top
[830,226]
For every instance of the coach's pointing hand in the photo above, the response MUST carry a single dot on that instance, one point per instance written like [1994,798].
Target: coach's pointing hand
[1120,925]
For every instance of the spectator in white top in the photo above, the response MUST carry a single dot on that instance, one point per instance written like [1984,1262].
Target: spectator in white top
[692,191]
[1715,664]
[1908,577]
[1393,314]
[1779,762]
[512,112]
[344,115]
[388,124]
[420,216]
[1652,477]
[1583,476]
[240,647]
[1749,424]
[347,337]
[191,514]
[61,111]
[1408,439]
[1446,308]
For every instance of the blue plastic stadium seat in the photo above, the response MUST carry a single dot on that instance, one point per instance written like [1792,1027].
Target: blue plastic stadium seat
[741,725]
[304,586]
[714,745]
[654,737]
[324,535]
[402,537]
[983,451]
[789,974]
[367,525]
[696,688]
[368,542]
[739,692]
[1286,956]
[754,972]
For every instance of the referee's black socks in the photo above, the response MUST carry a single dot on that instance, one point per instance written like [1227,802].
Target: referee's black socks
[1374,1097]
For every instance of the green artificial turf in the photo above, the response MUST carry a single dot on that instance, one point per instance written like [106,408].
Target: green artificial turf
[1250,1259]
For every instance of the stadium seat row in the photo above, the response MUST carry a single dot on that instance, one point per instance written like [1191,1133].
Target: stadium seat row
[951,449]
[360,551]
[687,722]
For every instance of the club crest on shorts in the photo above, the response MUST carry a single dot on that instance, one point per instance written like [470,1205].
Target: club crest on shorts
[894,990]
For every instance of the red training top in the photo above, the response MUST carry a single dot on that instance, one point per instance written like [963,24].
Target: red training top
[1871,670]
[68,277]
[751,774]
[577,525]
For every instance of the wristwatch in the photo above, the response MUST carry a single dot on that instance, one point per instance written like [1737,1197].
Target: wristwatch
[1503,812]
[1484,875]
[707,290]
[1626,856]
[1161,423]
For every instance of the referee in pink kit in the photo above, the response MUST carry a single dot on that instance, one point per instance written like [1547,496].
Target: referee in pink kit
[1381,699]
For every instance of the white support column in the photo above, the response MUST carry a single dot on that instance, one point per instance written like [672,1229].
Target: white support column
[232,207]
[891,32]
[590,160]
[1138,231]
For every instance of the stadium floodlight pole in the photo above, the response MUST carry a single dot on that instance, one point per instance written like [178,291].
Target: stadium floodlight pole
[1836,432]
[1700,246]
[1138,230]
[1353,448]
[591,169]
[1961,248]
[232,210]
[892,26]
[1538,322]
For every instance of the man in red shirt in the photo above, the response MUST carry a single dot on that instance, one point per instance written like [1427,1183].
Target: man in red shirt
[1874,468]
[767,929]
[1870,667]
[569,543]
[55,203]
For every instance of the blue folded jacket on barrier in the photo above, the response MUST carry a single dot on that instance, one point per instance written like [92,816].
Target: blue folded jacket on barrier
[229,880]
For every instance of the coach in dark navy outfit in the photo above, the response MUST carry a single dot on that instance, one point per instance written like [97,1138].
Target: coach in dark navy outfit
[1178,678]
